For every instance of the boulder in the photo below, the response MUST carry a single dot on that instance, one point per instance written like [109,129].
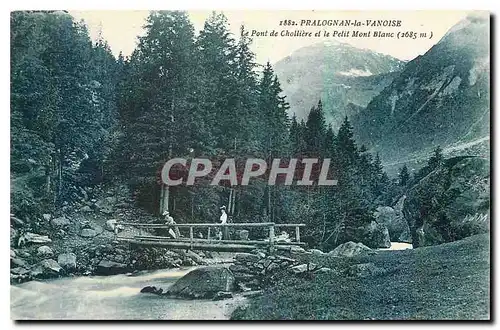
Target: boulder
[297,250]
[87,232]
[394,220]
[204,282]
[67,261]
[19,271]
[23,254]
[60,222]
[260,254]
[33,238]
[107,267]
[195,257]
[299,269]
[44,251]
[450,203]
[18,262]
[349,249]
[45,269]
[241,269]
[376,235]
[104,206]
[152,289]
[246,257]
[111,225]
[46,216]
[12,254]
[365,270]
[324,270]
[51,264]
[316,252]
[86,209]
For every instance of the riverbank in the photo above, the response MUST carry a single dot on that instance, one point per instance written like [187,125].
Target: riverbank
[114,297]
[79,240]
[447,281]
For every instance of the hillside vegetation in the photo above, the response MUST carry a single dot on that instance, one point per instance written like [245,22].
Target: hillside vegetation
[443,282]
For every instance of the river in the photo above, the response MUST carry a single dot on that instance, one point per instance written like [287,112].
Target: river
[115,297]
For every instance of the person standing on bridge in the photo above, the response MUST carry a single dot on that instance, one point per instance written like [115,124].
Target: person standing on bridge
[223,221]
[170,221]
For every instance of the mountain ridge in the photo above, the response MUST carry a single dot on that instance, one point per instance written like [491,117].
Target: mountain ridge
[440,98]
[338,74]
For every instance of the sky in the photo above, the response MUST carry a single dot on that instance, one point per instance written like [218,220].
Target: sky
[121,29]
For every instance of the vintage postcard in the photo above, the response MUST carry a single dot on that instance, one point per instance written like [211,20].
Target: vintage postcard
[250,165]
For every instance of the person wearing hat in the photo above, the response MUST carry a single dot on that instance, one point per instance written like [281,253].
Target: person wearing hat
[170,221]
[223,221]
[223,217]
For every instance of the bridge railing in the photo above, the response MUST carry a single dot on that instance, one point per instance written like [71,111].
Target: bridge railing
[194,242]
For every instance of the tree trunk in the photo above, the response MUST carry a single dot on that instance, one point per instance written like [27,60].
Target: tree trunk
[59,177]
[47,180]
[164,196]
[229,200]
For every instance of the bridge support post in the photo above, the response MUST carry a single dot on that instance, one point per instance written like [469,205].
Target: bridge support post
[271,239]
[191,236]
[297,234]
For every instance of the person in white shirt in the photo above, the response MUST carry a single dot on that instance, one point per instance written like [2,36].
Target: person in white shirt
[223,221]
[170,221]
[223,217]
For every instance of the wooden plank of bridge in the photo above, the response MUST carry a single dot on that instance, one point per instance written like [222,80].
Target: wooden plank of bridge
[200,225]
[202,240]
[195,246]
[201,246]
[191,242]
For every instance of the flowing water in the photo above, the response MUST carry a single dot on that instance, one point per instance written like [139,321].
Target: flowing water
[115,297]
[398,246]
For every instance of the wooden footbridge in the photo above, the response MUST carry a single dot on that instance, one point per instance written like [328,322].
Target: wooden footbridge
[212,242]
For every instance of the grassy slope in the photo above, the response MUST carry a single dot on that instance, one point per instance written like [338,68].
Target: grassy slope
[448,281]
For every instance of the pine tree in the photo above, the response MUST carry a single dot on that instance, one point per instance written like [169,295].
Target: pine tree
[217,62]
[404,176]
[316,131]
[346,149]
[159,112]
[436,160]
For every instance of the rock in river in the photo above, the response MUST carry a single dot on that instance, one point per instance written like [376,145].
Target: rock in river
[67,260]
[203,283]
[106,267]
[152,289]
[45,269]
